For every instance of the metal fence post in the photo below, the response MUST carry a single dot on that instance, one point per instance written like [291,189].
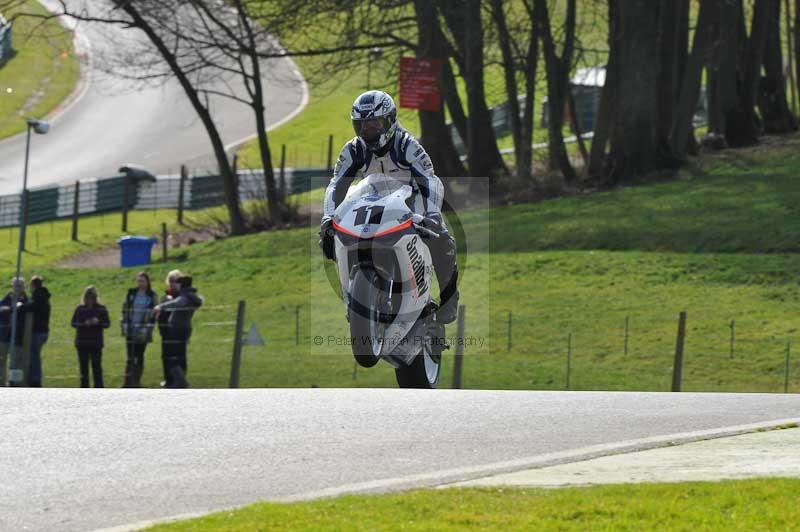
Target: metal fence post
[76,211]
[508,345]
[23,236]
[164,241]
[733,335]
[625,349]
[297,325]
[569,358]
[125,199]
[330,153]
[181,185]
[677,368]
[786,368]
[458,365]
[282,175]
[26,350]
[236,362]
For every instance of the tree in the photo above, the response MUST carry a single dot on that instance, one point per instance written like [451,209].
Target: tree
[435,133]
[691,77]
[772,103]
[558,69]
[520,52]
[463,18]
[634,150]
[604,122]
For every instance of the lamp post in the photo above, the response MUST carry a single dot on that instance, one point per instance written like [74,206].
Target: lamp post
[374,53]
[40,127]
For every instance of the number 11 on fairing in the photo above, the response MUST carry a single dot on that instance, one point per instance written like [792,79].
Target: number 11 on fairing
[376,213]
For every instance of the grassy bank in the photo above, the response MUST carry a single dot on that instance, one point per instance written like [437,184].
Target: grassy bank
[717,243]
[42,73]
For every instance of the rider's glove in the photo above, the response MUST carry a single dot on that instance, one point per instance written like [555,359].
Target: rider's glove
[326,239]
[433,221]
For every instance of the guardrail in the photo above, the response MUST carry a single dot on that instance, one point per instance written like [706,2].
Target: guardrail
[108,194]
[5,40]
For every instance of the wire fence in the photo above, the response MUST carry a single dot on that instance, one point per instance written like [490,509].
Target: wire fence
[210,347]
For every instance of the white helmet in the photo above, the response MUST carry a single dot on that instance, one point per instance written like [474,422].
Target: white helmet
[374,117]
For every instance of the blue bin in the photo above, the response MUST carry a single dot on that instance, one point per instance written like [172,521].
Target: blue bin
[135,250]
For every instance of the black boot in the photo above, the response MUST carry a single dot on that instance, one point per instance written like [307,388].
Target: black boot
[443,256]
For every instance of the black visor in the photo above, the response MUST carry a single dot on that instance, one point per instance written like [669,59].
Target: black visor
[371,129]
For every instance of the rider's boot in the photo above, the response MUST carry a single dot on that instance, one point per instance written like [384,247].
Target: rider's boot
[443,255]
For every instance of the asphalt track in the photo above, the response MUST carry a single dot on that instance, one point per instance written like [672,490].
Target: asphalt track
[89,459]
[110,121]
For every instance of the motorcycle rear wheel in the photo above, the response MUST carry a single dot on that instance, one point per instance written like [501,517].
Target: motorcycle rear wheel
[366,300]
[423,372]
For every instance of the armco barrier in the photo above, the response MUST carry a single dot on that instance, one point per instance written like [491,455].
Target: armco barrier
[108,194]
[5,41]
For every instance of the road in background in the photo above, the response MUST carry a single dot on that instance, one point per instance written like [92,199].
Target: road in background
[113,122]
[85,459]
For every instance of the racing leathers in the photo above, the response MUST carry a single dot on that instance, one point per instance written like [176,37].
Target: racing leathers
[402,158]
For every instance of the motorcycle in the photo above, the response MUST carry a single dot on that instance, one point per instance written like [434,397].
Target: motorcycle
[384,269]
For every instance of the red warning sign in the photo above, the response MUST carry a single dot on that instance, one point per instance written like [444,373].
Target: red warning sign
[419,84]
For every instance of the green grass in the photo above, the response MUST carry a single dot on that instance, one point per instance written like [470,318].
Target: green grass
[41,75]
[717,243]
[764,504]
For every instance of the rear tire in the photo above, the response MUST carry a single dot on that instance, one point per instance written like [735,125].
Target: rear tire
[366,299]
[423,372]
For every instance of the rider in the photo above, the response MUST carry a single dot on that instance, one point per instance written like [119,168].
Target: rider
[381,146]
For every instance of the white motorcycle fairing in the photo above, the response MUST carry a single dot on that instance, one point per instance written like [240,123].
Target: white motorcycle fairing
[375,230]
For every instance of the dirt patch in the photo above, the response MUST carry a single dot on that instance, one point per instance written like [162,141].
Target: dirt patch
[108,258]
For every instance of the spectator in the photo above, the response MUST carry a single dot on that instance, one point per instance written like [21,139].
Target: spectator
[178,327]
[162,318]
[89,320]
[137,327]
[6,308]
[39,306]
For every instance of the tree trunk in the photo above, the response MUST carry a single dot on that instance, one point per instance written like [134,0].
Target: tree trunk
[435,133]
[557,85]
[682,127]
[742,125]
[275,205]
[453,100]
[463,17]
[797,45]
[633,142]
[525,161]
[575,126]
[772,102]
[668,83]
[510,74]
[602,127]
[228,176]
[683,60]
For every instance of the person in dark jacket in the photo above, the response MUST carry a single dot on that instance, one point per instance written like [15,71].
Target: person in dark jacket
[177,326]
[137,327]
[6,309]
[162,319]
[39,306]
[89,320]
